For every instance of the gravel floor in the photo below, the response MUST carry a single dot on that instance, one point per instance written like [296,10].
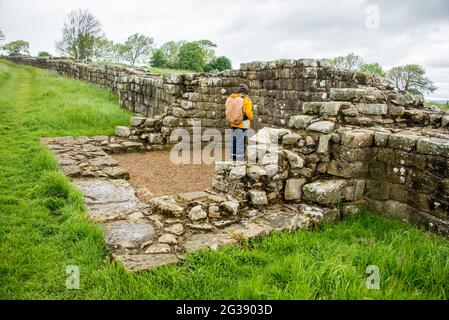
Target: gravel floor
[153,174]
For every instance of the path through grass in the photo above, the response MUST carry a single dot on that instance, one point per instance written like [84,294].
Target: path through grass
[43,227]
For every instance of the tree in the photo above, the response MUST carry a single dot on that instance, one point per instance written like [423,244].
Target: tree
[373,68]
[191,57]
[411,78]
[349,62]
[106,50]
[43,54]
[158,59]
[17,47]
[218,64]
[81,30]
[137,49]
[171,52]
[2,35]
[208,48]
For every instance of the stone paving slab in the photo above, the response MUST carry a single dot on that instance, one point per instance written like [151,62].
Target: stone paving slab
[109,199]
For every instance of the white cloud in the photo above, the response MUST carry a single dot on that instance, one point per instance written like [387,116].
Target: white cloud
[411,31]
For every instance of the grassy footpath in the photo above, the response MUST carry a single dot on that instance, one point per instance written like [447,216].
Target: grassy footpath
[43,228]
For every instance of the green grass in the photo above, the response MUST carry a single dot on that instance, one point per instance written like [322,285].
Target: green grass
[43,227]
[162,71]
[442,106]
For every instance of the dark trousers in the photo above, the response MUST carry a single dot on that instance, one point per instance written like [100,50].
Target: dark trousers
[238,144]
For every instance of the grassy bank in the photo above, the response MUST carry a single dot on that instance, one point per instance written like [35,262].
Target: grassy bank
[43,227]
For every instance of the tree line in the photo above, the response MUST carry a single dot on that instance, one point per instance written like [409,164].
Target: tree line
[83,39]
[410,78]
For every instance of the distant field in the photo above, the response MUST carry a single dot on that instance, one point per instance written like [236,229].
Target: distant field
[440,105]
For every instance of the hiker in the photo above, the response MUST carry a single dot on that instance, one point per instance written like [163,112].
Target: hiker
[239,113]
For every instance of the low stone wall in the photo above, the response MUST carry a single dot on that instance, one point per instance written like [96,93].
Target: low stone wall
[398,172]
[279,89]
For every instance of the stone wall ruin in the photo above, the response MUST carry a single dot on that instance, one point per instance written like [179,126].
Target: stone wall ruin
[347,141]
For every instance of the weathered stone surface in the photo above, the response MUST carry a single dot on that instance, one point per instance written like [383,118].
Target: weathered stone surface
[192,196]
[295,161]
[197,213]
[300,122]
[357,138]
[138,262]
[398,210]
[403,140]
[176,229]
[166,206]
[325,192]
[212,241]
[122,131]
[286,221]
[374,109]
[255,172]
[105,161]
[323,145]
[293,189]
[325,127]
[381,139]
[109,199]
[127,235]
[137,121]
[158,248]
[433,146]
[348,169]
[238,172]
[258,198]
[311,107]
[116,172]
[249,229]
[330,108]
[155,138]
[71,170]
[291,139]
[168,238]
[230,207]
[445,121]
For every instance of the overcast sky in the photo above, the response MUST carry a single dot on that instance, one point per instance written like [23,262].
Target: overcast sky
[408,31]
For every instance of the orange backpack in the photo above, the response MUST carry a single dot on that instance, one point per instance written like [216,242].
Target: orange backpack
[234,110]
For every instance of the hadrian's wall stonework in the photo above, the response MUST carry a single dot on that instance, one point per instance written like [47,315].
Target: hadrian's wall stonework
[347,141]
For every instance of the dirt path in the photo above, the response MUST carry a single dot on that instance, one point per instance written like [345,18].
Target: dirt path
[154,175]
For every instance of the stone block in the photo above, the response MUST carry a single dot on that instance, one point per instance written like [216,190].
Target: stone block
[373,109]
[330,108]
[345,169]
[357,138]
[300,122]
[433,146]
[238,172]
[258,198]
[381,139]
[404,141]
[293,189]
[325,192]
[378,190]
[291,139]
[325,127]
[323,145]
[122,131]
